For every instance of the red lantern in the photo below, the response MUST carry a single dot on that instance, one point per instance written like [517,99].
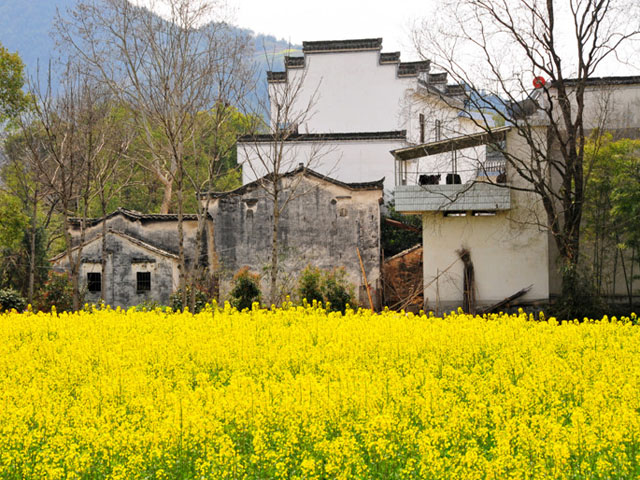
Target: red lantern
[539,82]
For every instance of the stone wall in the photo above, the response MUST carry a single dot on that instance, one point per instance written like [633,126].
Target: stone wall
[322,225]
[125,258]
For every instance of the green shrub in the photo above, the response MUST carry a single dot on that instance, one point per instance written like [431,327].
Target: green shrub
[58,291]
[579,297]
[328,286]
[246,289]
[337,290]
[310,285]
[10,299]
[175,300]
[150,306]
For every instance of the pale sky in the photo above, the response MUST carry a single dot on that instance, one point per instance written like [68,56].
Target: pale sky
[298,20]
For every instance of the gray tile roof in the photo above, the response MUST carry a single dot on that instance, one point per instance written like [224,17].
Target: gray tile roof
[342,45]
[375,185]
[134,215]
[293,62]
[389,57]
[449,144]
[406,69]
[276,77]
[629,80]
[437,77]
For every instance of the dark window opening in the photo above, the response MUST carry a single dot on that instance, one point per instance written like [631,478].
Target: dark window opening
[94,282]
[438,130]
[483,213]
[143,281]
[455,213]
[421,128]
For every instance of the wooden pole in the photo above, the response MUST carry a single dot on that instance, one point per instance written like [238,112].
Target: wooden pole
[366,283]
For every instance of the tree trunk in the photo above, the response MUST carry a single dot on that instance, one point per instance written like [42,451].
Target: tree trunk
[103,256]
[181,256]
[166,197]
[32,248]
[273,289]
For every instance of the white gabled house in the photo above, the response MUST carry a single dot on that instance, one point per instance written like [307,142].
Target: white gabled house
[362,102]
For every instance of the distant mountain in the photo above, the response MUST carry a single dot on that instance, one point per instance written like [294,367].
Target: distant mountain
[25,27]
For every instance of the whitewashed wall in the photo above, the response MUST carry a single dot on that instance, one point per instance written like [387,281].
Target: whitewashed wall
[509,250]
[347,161]
[353,92]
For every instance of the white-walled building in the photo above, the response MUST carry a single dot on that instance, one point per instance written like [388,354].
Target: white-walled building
[490,214]
[346,104]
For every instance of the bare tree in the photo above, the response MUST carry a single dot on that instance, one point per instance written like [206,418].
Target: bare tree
[111,171]
[495,48]
[64,136]
[166,70]
[20,180]
[275,152]
[213,144]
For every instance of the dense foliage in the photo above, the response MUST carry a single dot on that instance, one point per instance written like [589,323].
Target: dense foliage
[12,98]
[394,239]
[611,226]
[328,286]
[11,300]
[246,289]
[302,393]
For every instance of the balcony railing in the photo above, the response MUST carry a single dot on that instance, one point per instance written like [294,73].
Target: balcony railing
[468,197]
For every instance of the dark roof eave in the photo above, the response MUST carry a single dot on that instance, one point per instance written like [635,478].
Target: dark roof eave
[447,145]
[318,137]
[324,46]
[375,185]
[628,80]
[134,215]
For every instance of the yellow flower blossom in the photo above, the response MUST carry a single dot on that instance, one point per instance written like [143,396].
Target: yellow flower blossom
[302,393]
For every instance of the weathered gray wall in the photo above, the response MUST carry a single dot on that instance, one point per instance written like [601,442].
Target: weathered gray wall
[162,234]
[321,226]
[124,259]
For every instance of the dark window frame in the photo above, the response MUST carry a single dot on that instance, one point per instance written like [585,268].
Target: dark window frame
[143,282]
[94,282]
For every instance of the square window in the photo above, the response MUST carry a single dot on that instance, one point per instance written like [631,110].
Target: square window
[94,282]
[143,281]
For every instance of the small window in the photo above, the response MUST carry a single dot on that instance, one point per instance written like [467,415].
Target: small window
[94,282]
[455,213]
[483,213]
[143,281]
[421,120]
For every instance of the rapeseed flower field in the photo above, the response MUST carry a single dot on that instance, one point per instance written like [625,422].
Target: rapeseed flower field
[301,393]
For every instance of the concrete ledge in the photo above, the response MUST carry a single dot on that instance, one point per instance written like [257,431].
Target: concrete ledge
[446,198]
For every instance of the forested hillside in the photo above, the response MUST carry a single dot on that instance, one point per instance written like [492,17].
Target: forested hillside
[26,27]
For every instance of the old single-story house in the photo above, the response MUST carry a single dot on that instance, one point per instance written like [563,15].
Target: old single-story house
[325,224]
[141,256]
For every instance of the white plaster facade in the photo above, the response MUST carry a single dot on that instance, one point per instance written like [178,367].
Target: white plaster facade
[510,248]
[351,91]
[350,87]
[345,160]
